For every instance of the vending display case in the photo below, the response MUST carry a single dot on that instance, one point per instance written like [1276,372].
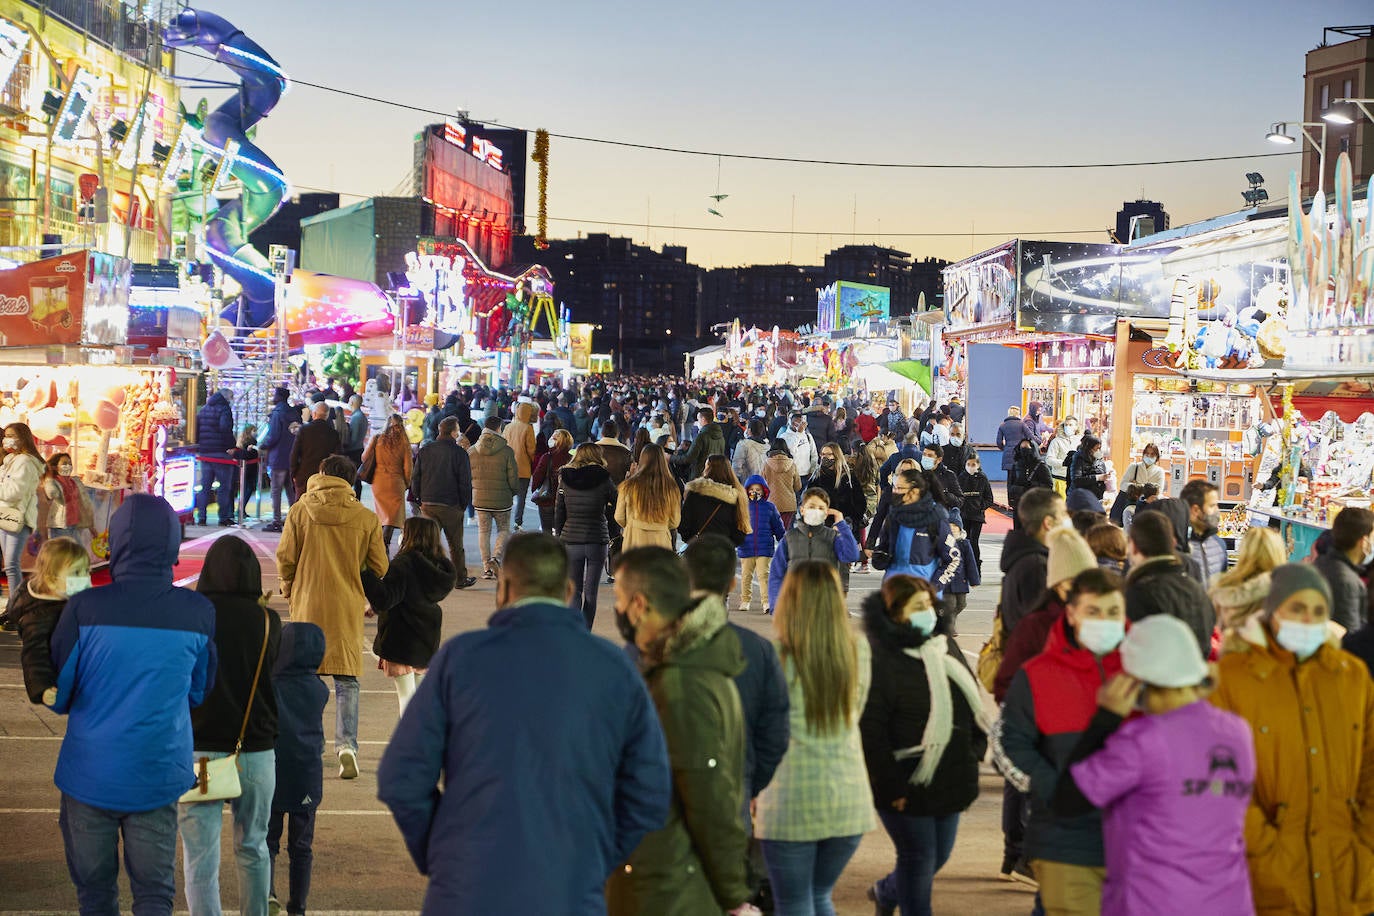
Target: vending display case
[1199,428]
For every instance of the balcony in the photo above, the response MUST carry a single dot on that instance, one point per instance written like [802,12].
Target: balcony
[113,24]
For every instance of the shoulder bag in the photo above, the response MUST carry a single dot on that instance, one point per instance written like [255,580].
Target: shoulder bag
[218,779]
[990,656]
[368,470]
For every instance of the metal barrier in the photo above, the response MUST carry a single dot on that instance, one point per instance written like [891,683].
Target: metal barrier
[239,502]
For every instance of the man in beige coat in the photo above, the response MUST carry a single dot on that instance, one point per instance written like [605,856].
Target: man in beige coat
[328,537]
[520,434]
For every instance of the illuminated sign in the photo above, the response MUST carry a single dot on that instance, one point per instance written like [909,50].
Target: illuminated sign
[224,171]
[132,154]
[182,155]
[481,148]
[178,483]
[439,279]
[13,42]
[75,107]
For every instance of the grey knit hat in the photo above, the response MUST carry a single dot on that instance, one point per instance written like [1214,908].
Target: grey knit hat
[1289,578]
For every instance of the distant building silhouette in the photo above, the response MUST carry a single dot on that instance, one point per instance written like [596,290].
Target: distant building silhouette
[877,266]
[1151,209]
[762,294]
[284,228]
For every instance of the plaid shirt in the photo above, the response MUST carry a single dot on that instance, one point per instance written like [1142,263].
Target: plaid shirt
[820,789]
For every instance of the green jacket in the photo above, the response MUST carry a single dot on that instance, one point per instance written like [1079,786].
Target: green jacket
[694,865]
[710,441]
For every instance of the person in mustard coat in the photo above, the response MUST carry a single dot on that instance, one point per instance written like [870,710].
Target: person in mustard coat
[1309,831]
[328,538]
[520,435]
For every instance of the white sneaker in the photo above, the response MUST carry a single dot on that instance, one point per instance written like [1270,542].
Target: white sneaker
[348,764]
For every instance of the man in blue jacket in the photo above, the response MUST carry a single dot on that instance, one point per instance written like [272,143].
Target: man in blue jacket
[214,438]
[548,749]
[282,425]
[132,659]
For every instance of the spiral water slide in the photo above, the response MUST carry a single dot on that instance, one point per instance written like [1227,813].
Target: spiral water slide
[261,86]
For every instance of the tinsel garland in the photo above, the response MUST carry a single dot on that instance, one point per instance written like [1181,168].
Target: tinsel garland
[541,156]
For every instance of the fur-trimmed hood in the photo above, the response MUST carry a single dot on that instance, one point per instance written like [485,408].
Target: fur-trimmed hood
[721,491]
[698,640]
[1247,594]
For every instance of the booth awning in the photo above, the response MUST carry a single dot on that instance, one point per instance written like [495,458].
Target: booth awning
[912,369]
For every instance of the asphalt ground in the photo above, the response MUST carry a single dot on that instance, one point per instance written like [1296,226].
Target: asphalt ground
[361,865]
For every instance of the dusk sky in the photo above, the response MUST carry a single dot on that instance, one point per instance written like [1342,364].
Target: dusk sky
[965,83]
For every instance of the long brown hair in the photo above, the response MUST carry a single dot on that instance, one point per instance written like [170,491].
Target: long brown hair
[24,436]
[814,631]
[650,493]
[718,469]
[421,534]
[394,432]
[588,453]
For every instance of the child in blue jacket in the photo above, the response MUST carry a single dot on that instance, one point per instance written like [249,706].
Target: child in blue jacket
[757,550]
[966,575]
[301,697]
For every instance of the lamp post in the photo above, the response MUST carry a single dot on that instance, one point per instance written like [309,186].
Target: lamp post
[1340,111]
[1278,133]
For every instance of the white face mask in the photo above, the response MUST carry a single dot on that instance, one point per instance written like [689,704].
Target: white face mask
[10,443]
[1097,454]
[65,470]
[1149,460]
[78,584]
[1302,639]
[1100,636]
[956,440]
[814,517]
[971,469]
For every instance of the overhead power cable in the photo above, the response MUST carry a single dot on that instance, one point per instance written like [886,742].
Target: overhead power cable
[651,147]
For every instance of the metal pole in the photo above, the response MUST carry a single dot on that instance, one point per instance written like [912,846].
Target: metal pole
[242,500]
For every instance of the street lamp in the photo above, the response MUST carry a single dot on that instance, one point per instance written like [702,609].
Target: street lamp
[1278,133]
[1342,111]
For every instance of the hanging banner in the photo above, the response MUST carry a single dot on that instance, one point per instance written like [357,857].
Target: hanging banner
[40,302]
[580,345]
[981,292]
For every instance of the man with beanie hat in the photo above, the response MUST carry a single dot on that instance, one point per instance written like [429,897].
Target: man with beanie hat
[1050,704]
[275,448]
[1157,582]
[1309,830]
[1173,785]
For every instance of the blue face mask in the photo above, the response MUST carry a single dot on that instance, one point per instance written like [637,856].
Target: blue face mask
[928,463]
[956,440]
[923,621]
[1302,639]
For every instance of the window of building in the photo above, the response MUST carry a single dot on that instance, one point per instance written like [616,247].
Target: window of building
[1345,144]
[1326,97]
[1348,89]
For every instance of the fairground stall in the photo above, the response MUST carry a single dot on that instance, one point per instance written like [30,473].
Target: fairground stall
[67,372]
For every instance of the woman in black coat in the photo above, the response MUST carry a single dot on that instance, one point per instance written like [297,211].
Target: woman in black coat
[839,483]
[407,605]
[1027,471]
[585,501]
[920,796]
[977,493]
[1089,470]
[716,503]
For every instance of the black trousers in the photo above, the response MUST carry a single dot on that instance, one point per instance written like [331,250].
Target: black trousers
[1015,811]
[300,838]
[973,530]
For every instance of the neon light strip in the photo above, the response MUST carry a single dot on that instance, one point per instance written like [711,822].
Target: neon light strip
[218,256]
[270,66]
[13,41]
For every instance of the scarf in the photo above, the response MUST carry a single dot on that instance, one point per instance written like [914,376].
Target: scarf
[71,500]
[941,668]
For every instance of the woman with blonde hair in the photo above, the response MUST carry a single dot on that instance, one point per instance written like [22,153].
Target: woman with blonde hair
[1240,591]
[813,814]
[390,453]
[649,505]
[716,503]
[62,569]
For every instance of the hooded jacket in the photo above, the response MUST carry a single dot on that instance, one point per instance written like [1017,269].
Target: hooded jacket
[409,618]
[695,863]
[1026,471]
[820,424]
[19,477]
[215,426]
[328,538]
[1025,565]
[1309,830]
[1026,642]
[709,441]
[617,459]
[895,718]
[976,493]
[766,522]
[709,507]
[917,538]
[1160,585]
[750,456]
[1234,603]
[301,698]
[586,499]
[780,472]
[1176,511]
[232,580]
[567,736]
[132,659]
[520,434]
[495,474]
[1058,451]
[1050,704]
[36,616]
[1349,597]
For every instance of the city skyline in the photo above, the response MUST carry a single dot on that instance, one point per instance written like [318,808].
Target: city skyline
[921,88]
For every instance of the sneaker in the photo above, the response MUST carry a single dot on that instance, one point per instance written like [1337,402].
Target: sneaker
[610,580]
[273,526]
[348,764]
[488,573]
[226,522]
[1020,873]
[467,582]
[273,907]
[878,908]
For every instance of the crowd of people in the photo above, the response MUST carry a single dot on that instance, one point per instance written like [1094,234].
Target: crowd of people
[1177,732]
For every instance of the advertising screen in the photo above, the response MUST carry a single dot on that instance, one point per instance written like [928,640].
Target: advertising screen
[981,291]
[857,301]
[1083,288]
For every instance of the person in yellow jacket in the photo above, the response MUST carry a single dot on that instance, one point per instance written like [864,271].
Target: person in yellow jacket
[1309,831]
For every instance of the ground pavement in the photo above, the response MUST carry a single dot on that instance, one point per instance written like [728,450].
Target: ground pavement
[361,865]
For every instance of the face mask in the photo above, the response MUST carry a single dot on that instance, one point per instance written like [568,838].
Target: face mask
[928,463]
[971,469]
[622,623]
[814,517]
[760,412]
[78,584]
[1149,460]
[1097,454]
[1302,639]
[956,440]
[756,496]
[1100,636]
[1070,430]
[10,443]
[924,621]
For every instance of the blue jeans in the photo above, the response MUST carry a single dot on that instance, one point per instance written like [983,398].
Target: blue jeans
[345,713]
[199,824]
[803,875]
[73,533]
[91,837]
[923,847]
[300,840]
[226,475]
[13,544]
[522,492]
[585,562]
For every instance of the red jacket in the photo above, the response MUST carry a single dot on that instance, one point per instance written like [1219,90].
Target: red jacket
[1064,680]
[867,426]
[1025,643]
